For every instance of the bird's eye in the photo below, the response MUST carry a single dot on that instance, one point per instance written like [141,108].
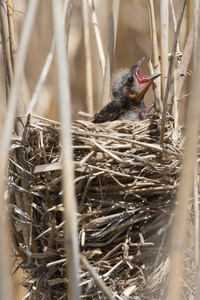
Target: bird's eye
[130,79]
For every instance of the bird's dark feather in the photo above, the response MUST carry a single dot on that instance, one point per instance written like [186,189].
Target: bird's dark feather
[113,110]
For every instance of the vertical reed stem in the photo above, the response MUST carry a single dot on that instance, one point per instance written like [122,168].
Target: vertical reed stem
[185,187]
[110,52]
[88,58]
[70,228]
[164,41]
[156,62]
[5,280]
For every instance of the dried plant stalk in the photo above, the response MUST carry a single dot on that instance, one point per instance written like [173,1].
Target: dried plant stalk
[164,40]
[6,44]
[171,65]
[110,52]
[184,193]
[68,176]
[155,59]
[11,29]
[196,231]
[88,58]
[97,279]
[97,35]
[5,283]
[184,64]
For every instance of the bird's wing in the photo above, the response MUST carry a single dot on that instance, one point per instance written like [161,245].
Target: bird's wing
[110,112]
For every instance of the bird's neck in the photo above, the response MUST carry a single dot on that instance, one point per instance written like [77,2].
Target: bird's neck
[129,102]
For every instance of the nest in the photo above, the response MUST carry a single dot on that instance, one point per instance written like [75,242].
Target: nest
[125,188]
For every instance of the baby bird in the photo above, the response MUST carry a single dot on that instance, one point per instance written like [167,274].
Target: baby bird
[128,91]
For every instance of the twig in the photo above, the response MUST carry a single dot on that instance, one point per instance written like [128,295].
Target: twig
[110,52]
[176,36]
[70,227]
[97,279]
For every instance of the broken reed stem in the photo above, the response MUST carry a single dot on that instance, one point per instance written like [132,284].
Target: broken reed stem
[164,48]
[186,177]
[155,55]
[88,57]
[171,65]
[96,278]
[97,35]
[70,226]
[110,52]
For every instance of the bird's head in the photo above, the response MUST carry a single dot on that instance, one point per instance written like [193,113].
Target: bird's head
[130,85]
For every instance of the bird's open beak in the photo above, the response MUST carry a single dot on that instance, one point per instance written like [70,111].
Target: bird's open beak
[142,83]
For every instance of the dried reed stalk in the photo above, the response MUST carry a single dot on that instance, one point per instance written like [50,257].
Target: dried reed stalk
[97,35]
[13,43]
[196,232]
[6,45]
[69,201]
[196,27]
[174,20]
[68,9]
[186,177]
[5,282]
[88,58]
[164,41]
[110,52]
[171,66]
[97,279]
[155,55]
[184,64]
[49,59]
[8,39]
[41,80]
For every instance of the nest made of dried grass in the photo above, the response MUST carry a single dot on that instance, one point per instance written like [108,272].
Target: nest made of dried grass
[125,188]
